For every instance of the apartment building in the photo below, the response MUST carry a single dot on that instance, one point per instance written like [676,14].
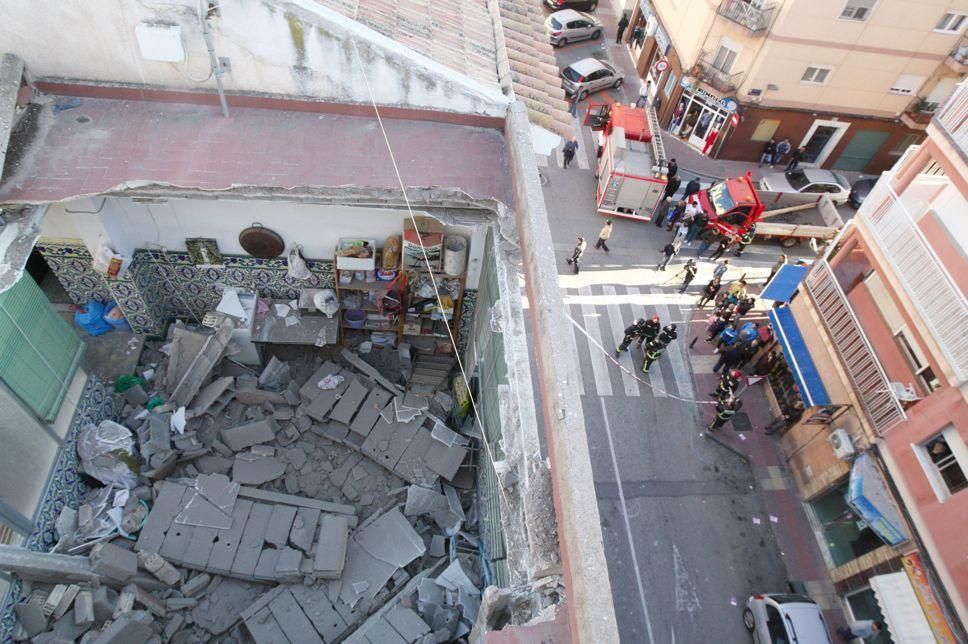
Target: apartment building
[852,81]
[875,345]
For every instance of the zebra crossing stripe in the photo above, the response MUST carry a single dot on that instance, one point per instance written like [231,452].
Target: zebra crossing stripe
[618,325]
[592,328]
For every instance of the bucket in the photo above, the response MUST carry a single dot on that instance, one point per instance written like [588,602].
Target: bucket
[355,318]
[455,255]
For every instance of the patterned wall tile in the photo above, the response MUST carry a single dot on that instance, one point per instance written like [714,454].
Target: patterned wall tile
[467,306]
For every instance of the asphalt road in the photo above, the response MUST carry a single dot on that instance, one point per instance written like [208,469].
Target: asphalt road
[677,509]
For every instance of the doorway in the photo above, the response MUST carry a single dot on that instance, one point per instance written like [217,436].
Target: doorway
[696,116]
[821,140]
[860,150]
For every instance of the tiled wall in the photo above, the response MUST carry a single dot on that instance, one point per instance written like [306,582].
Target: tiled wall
[467,306]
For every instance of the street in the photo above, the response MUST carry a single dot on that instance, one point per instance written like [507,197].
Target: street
[677,509]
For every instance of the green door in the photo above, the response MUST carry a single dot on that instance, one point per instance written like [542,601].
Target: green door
[861,150]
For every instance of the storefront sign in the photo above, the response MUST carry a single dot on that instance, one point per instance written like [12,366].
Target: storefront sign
[929,604]
[686,82]
[662,40]
[645,7]
[730,104]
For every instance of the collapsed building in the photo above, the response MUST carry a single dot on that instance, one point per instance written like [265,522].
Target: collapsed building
[323,422]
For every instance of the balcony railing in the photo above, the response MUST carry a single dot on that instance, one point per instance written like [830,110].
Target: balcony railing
[922,275]
[725,82]
[864,369]
[952,118]
[748,13]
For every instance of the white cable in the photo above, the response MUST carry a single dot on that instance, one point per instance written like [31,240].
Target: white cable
[433,280]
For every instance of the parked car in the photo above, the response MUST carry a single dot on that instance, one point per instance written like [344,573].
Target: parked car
[774,618]
[859,191]
[581,5]
[589,75]
[569,26]
[808,180]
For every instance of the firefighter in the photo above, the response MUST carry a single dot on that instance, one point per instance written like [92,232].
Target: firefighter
[632,332]
[668,335]
[653,351]
[745,240]
[725,410]
[727,385]
[649,330]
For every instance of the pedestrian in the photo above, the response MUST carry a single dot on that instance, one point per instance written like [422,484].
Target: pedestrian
[671,250]
[727,338]
[749,350]
[710,141]
[690,270]
[691,188]
[782,149]
[749,331]
[698,224]
[730,358]
[667,335]
[745,240]
[769,149]
[569,150]
[673,169]
[623,22]
[796,159]
[727,385]
[789,415]
[660,212]
[724,412]
[603,235]
[744,306]
[776,267]
[674,214]
[575,258]
[724,244]
[719,322]
[672,186]
[653,351]
[638,35]
[709,291]
[650,330]
[765,364]
[737,289]
[682,230]
[632,332]
[721,268]
[573,105]
[644,93]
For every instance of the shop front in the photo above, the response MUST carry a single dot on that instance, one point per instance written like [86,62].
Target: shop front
[699,117]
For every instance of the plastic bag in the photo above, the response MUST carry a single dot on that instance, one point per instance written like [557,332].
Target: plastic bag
[91,318]
[107,453]
[123,383]
[114,316]
[297,264]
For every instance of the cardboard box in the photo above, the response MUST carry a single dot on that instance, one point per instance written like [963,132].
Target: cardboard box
[431,233]
[355,263]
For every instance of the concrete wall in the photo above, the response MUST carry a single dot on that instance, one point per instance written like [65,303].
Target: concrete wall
[295,48]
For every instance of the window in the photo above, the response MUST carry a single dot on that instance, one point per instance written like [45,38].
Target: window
[917,361]
[670,85]
[816,75]
[857,9]
[944,465]
[951,23]
[904,143]
[907,84]
[775,625]
[726,56]
[765,129]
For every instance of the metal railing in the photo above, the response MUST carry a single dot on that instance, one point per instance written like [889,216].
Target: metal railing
[952,118]
[861,363]
[747,14]
[924,277]
[716,78]
[960,51]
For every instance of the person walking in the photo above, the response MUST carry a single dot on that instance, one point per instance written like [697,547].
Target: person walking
[780,263]
[575,258]
[632,332]
[690,270]
[782,149]
[623,22]
[638,35]
[569,151]
[672,186]
[603,235]
[671,250]
[709,292]
[727,338]
[749,331]
[724,413]
[644,93]
[745,240]
[683,229]
[724,245]
[796,159]
[673,169]
[650,330]
[717,325]
[691,188]
[698,224]
[661,211]
[573,105]
[729,358]
[737,289]
[653,351]
[675,213]
[769,149]
[721,268]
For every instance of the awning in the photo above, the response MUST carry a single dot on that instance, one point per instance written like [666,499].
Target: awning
[902,612]
[868,495]
[798,357]
[785,283]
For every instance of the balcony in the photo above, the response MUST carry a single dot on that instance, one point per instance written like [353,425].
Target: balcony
[749,14]
[952,118]
[724,82]
[957,60]
[918,114]
[858,358]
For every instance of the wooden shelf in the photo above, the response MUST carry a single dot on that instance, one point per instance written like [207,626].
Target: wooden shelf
[358,285]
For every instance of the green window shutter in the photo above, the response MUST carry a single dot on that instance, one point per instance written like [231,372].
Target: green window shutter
[38,350]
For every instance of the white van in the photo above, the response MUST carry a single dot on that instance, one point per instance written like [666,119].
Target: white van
[785,619]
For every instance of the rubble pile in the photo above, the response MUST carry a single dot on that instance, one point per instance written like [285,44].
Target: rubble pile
[314,501]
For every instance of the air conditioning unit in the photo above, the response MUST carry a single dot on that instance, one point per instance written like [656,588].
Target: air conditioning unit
[843,446]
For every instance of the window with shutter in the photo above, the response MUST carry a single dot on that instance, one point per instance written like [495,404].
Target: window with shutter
[857,9]
[816,75]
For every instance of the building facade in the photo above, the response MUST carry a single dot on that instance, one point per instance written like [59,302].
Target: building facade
[852,81]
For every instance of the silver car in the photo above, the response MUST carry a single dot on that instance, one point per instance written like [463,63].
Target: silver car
[808,181]
[775,618]
[570,26]
[589,75]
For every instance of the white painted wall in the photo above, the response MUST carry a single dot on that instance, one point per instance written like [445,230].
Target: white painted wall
[128,225]
[294,48]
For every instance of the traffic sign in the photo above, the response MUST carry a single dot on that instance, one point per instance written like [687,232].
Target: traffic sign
[730,104]
[662,65]
[734,120]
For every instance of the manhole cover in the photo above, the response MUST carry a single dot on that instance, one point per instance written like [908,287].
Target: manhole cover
[741,422]
[83,119]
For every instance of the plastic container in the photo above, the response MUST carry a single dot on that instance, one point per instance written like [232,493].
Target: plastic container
[455,255]
[355,318]
[115,317]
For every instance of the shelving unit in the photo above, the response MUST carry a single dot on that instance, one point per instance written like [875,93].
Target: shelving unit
[364,290]
[432,319]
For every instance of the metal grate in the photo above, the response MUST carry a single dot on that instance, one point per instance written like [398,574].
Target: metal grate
[953,117]
[865,371]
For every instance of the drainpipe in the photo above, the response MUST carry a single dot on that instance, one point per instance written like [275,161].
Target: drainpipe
[213,59]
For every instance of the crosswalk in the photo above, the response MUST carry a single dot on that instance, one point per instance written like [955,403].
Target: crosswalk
[604,311]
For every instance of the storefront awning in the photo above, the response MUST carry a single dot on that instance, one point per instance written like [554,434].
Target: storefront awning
[868,495]
[785,283]
[798,357]
[902,612]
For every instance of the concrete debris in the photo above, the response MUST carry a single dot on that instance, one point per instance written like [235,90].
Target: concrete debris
[256,470]
[238,438]
[195,584]
[84,608]
[112,562]
[31,614]
[133,626]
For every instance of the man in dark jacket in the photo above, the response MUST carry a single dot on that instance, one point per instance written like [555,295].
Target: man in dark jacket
[724,413]
[690,270]
[796,159]
[632,332]
[650,330]
[691,188]
[673,169]
[668,252]
[661,211]
[730,358]
[623,22]
[672,185]
[697,226]
[667,335]
[653,351]
[769,149]
[709,292]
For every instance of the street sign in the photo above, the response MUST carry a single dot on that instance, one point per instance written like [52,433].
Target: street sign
[730,104]
[662,65]
[734,120]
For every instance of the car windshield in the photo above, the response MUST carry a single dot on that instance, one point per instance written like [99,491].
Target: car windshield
[719,196]
[572,75]
[555,24]
[842,181]
[798,179]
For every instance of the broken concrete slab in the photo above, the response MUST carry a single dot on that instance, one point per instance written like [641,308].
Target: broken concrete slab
[387,442]
[391,538]
[288,565]
[382,631]
[331,547]
[349,403]
[317,607]
[103,601]
[200,546]
[66,601]
[132,626]
[280,524]
[275,375]
[447,452]
[256,470]
[157,566]
[310,388]
[292,620]
[208,395]
[155,606]
[263,450]
[264,628]
[31,615]
[254,396]
[202,364]
[167,506]
[370,411]
[124,604]
[422,500]
[361,365]
[261,431]
[323,403]
[223,552]
[298,501]
[210,464]
[265,569]
[112,562]
[250,547]
[195,585]
[303,530]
